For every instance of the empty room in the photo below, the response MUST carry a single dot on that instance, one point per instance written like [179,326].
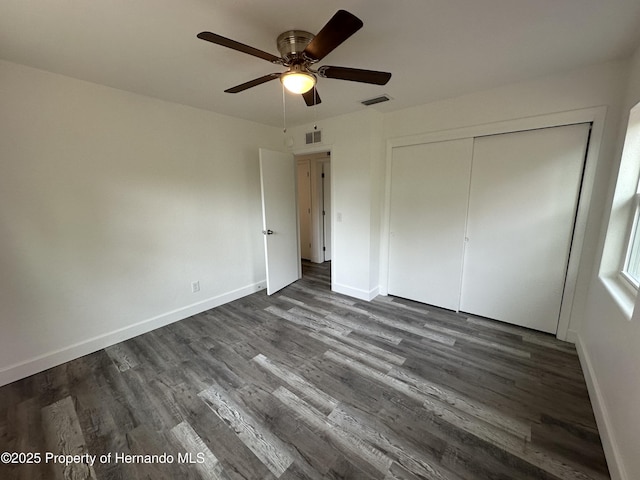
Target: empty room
[304,240]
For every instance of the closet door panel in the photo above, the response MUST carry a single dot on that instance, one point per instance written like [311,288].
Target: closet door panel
[522,206]
[429,189]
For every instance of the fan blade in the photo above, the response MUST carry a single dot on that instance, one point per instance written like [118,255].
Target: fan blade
[240,47]
[341,26]
[252,83]
[311,97]
[354,74]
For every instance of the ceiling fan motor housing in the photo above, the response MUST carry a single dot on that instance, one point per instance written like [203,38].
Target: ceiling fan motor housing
[292,43]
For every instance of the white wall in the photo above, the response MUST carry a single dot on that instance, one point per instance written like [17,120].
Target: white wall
[357,144]
[596,85]
[356,185]
[111,204]
[609,342]
[377,184]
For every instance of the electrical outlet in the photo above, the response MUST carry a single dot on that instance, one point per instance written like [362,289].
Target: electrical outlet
[195,286]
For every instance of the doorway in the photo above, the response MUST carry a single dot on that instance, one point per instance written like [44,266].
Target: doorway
[314,207]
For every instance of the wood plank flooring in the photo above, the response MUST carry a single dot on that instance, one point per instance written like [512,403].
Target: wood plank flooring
[308,384]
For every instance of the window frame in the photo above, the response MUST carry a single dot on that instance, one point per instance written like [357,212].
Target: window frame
[624,217]
[632,244]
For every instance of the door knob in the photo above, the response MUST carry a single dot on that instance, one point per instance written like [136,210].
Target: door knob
[267,232]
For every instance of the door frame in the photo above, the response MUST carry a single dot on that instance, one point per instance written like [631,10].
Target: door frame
[325,215]
[595,116]
[316,161]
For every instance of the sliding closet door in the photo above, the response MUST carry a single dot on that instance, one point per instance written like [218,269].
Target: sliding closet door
[429,188]
[522,206]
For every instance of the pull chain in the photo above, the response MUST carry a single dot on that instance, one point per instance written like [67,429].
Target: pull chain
[284,111]
[315,108]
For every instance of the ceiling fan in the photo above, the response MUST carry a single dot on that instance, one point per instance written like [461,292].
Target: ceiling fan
[299,51]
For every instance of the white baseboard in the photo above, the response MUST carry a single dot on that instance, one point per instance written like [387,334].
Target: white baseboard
[572,336]
[373,293]
[611,450]
[51,359]
[355,292]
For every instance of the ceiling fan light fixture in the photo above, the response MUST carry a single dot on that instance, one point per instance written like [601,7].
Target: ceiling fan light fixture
[297,81]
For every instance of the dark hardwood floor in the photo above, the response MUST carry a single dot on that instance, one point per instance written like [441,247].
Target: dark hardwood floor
[311,384]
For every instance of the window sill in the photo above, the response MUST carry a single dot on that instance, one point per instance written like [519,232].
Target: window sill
[621,294]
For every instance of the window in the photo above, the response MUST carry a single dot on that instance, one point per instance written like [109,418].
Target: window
[631,267]
[626,208]
[620,264]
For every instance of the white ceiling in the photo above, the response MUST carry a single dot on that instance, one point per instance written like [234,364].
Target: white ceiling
[434,48]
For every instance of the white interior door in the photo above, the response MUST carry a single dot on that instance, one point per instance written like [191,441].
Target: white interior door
[304,208]
[429,190]
[279,219]
[522,205]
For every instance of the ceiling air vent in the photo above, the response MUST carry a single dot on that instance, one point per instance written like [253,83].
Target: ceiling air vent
[313,137]
[373,101]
